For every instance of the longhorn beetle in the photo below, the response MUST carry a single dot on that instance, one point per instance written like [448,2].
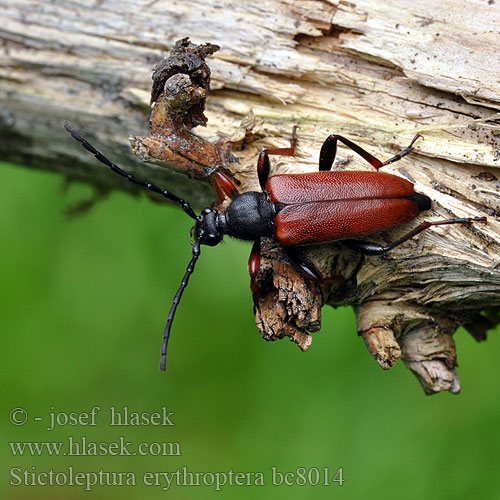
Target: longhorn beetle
[299,209]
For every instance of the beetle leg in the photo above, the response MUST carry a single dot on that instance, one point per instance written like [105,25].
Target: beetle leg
[329,151]
[307,269]
[224,187]
[369,248]
[263,164]
[263,167]
[406,151]
[290,151]
[253,269]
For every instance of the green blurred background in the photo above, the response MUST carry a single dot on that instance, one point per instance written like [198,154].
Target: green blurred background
[83,305]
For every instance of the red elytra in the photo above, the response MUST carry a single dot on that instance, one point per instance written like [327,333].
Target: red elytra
[326,206]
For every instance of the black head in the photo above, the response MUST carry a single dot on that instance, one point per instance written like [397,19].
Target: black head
[207,230]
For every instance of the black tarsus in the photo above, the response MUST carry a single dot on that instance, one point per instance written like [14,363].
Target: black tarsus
[406,151]
[175,303]
[135,180]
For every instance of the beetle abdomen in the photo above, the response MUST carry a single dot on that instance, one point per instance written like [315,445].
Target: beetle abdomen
[327,206]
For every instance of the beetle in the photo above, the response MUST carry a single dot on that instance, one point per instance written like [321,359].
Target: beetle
[299,209]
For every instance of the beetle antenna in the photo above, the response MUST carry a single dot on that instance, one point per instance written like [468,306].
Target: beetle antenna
[135,180]
[175,303]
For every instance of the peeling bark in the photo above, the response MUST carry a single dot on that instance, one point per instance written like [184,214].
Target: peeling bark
[376,72]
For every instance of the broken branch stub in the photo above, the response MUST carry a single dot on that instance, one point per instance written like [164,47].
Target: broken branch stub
[181,83]
[408,303]
[289,305]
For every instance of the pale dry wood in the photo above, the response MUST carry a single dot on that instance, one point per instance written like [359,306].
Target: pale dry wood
[377,72]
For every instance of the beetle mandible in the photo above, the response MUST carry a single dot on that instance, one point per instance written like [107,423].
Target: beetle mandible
[299,209]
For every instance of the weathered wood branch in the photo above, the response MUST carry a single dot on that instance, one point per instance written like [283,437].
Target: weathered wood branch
[377,72]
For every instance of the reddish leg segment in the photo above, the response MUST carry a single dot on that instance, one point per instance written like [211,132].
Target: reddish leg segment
[290,151]
[263,164]
[224,187]
[329,151]
[253,269]
[263,167]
